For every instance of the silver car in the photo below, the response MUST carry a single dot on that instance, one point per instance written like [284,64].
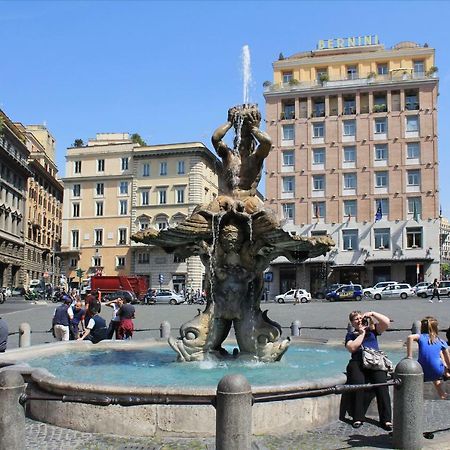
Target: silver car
[167,296]
[400,290]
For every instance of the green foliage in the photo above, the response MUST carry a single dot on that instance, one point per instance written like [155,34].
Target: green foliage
[137,139]
[445,268]
[78,143]
[80,273]
[323,77]
[432,70]
[371,75]
[2,123]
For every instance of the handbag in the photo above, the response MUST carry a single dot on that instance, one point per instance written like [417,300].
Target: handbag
[376,360]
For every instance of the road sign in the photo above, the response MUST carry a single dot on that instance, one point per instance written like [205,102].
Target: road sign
[268,277]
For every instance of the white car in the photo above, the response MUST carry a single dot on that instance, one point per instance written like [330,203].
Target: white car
[370,292]
[427,291]
[420,286]
[399,290]
[289,296]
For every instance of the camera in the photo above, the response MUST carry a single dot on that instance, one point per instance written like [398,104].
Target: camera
[365,321]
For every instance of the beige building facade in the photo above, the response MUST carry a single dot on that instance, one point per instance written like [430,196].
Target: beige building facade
[113,188]
[354,127]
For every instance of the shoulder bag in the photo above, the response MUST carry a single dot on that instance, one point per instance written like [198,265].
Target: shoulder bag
[376,360]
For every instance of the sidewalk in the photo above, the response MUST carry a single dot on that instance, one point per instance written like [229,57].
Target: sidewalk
[336,436]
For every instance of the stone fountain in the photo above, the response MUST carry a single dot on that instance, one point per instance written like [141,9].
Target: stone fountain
[236,239]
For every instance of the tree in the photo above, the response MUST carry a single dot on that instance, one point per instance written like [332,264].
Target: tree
[78,143]
[445,269]
[137,139]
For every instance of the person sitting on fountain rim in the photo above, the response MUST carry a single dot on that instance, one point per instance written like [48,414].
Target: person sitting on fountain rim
[367,327]
[95,326]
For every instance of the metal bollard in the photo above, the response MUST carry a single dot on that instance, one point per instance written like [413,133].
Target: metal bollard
[12,414]
[234,413]
[408,406]
[164,330]
[296,328]
[24,335]
[415,327]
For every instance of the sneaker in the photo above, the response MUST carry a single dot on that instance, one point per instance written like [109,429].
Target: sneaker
[431,301]
[440,301]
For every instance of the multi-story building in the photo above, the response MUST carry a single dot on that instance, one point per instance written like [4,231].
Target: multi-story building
[445,241]
[43,209]
[114,187]
[97,206]
[354,127]
[169,182]
[14,173]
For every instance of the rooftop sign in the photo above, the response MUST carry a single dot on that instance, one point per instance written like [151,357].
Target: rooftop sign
[355,41]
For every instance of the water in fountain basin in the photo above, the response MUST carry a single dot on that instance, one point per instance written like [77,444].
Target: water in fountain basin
[156,367]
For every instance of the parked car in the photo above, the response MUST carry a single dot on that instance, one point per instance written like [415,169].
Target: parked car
[6,291]
[164,296]
[323,293]
[369,292]
[427,291]
[420,286]
[346,292]
[399,290]
[130,296]
[289,296]
[18,291]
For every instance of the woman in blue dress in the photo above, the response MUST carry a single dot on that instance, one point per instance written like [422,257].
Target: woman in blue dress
[433,354]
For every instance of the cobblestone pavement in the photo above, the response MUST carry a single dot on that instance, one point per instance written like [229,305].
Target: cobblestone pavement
[336,436]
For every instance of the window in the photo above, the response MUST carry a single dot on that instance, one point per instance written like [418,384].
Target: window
[144,223]
[319,156]
[180,167]
[413,177]
[100,189]
[145,198]
[98,237]
[163,168]
[120,261]
[382,238]
[352,72]
[124,163]
[381,152]
[162,224]
[350,239]
[287,77]
[412,123]
[349,127]
[123,187]
[76,190]
[415,207]
[122,236]
[178,259]
[77,166]
[288,111]
[73,262]
[75,210]
[146,170]
[321,73]
[318,210]
[288,184]
[349,106]
[381,125]
[288,211]
[123,207]
[317,233]
[349,154]
[318,107]
[380,103]
[180,195]
[99,208]
[414,237]
[419,68]
[384,203]
[350,208]
[318,129]
[162,196]
[97,261]
[288,133]
[143,258]
[382,69]
[75,238]
[100,165]
[319,182]
[411,101]
[288,158]
[349,180]
[381,179]
[413,150]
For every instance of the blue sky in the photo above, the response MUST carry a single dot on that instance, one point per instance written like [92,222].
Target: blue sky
[170,70]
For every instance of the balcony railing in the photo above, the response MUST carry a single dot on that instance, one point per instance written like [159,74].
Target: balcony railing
[318,113]
[349,110]
[379,79]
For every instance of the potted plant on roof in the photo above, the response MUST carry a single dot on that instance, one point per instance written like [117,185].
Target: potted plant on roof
[371,77]
[432,71]
[323,78]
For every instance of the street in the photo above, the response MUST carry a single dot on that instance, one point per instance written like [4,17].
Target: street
[315,314]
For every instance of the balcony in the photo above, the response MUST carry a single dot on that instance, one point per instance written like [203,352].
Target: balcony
[392,78]
[349,110]
[412,106]
[287,115]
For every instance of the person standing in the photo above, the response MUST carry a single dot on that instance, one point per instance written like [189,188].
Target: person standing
[433,354]
[61,320]
[3,335]
[78,318]
[115,320]
[296,297]
[435,286]
[126,314]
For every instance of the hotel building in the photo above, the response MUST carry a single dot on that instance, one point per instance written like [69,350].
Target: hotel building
[354,129]
[113,188]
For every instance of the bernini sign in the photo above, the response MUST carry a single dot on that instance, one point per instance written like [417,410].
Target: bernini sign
[355,41]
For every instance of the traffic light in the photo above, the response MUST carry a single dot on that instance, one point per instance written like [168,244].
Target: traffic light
[80,273]
[161,278]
